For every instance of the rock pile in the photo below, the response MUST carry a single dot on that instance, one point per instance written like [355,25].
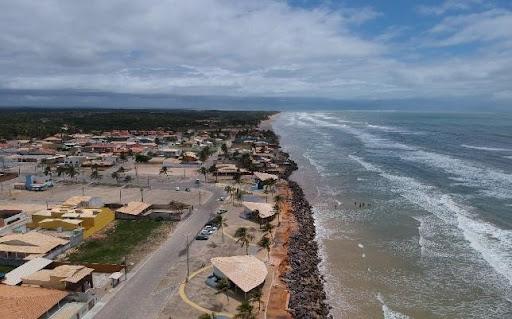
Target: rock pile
[306,284]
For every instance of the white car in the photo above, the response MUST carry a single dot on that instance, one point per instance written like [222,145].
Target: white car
[177,188]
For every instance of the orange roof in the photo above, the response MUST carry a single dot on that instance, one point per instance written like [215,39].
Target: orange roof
[27,302]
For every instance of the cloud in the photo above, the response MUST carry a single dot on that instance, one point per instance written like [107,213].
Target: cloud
[487,26]
[447,6]
[244,48]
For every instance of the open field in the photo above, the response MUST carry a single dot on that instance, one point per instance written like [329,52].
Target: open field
[118,242]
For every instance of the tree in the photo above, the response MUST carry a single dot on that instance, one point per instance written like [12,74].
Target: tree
[48,171]
[267,228]
[224,149]
[244,238]
[140,158]
[71,171]
[221,221]
[115,175]
[203,171]
[278,199]
[60,170]
[245,311]
[213,170]
[256,296]
[229,189]
[204,154]
[207,316]
[238,194]
[163,170]
[95,174]
[265,243]
[223,287]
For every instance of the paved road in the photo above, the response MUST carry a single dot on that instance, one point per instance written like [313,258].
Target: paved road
[141,296]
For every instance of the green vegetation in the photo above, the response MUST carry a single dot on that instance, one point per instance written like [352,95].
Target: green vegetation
[6,269]
[34,122]
[118,242]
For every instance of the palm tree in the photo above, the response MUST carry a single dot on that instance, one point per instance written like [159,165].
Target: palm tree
[238,194]
[48,171]
[95,174]
[229,190]
[222,222]
[207,316]
[278,199]
[267,228]
[163,170]
[213,170]
[244,238]
[223,287]
[115,175]
[71,171]
[265,243]
[60,170]
[245,311]
[256,296]
[203,171]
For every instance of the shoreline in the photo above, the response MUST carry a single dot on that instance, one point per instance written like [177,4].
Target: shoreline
[299,271]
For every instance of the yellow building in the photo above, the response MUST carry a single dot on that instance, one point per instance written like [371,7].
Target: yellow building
[73,214]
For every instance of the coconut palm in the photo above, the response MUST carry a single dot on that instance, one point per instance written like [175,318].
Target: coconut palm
[223,287]
[244,238]
[238,194]
[222,222]
[163,170]
[268,228]
[265,243]
[95,174]
[204,172]
[256,296]
[115,175]
[71,171]
[228,189]
[213,170]
[278,199]
[245,311]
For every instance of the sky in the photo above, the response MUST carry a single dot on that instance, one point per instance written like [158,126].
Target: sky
[238,52]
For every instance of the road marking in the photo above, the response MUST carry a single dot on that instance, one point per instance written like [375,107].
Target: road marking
[185,298]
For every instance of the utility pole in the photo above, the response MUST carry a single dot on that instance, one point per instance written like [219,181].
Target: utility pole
[83,190]
[120,189]
[142,194]
[188,266]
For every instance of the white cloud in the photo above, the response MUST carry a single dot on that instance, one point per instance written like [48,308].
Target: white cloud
[447,6]
[240,48]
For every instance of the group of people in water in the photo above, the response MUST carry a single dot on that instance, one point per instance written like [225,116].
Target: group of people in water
[357,204]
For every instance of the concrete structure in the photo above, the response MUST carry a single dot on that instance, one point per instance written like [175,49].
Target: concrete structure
[74,278]
[132,210]
[29,302]
[262,178]
[32,184]
[15,249]
[246,272]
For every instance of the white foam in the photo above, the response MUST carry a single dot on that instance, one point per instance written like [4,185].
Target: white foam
[493,244]
[491,182]
[387,312]
[360,245]
[489,149]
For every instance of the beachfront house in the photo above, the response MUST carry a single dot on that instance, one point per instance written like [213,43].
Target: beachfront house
[245,272]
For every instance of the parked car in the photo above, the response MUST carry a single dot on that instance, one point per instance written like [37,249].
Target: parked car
[222,211]
[177,188]
[201,237]
[187,189]
[221,199]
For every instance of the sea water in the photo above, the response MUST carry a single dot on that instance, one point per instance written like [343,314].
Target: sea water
[413,210]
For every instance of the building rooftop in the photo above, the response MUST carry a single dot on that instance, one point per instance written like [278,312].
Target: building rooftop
[27,302]
[13,277]
[30,243]
[265,176]
[247,272]
[265,210]
[133,208]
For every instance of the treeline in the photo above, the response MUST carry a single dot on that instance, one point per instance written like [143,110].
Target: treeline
[36,122]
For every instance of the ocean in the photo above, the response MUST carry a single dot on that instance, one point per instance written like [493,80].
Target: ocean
[413,210]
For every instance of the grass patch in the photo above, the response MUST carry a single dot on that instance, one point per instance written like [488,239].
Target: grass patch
[6,269]
[118,242]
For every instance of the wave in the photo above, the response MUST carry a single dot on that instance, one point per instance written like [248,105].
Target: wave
[490,182]
[492,243]
[489,149]
[387,312]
